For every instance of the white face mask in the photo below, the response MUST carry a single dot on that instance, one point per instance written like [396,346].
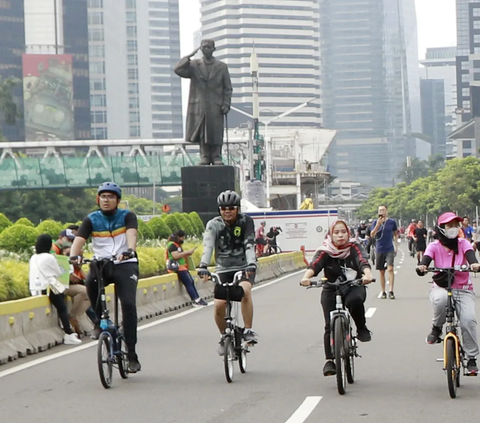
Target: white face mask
[450,233]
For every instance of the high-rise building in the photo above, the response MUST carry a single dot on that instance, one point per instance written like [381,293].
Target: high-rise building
[12,46]
[440,63]
[468,55]
[433,114]
[134,45]
[285,36]
[56,41]
[370,85]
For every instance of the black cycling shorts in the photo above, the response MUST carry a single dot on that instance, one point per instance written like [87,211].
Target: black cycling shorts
[261,241]
[235,293]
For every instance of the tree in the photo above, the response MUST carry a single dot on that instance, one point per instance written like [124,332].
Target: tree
[185,224]
[200,227]
[50,227]
[415,169]
[140,206]
[18,238]
[8,107]
[160,228]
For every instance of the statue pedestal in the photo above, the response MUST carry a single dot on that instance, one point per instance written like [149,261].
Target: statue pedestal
[201,186]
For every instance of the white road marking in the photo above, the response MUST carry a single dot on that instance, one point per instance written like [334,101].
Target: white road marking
[395,272]
[398,267]
[302,412]
[60,354]
[370,312]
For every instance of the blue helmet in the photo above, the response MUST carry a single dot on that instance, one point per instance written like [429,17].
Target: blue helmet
[110,187]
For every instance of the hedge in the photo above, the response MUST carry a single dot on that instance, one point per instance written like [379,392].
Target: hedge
[4,222]
[145,231]
[18,238]
[198,222]
[172,222]
[50,227]
[24,221]
[185,224]
[160,228]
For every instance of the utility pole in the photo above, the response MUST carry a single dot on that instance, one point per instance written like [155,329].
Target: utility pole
[255,111]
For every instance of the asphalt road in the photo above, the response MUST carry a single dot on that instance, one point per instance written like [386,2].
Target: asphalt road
[182,380]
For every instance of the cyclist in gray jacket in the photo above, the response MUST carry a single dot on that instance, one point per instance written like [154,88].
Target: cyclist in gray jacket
[232,236]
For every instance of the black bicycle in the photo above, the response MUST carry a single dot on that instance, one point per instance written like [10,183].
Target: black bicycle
[112,347]
[342,339]
[235,347]
[453,354]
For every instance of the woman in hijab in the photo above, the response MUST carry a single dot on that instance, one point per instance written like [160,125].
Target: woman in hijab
[339,256]
[44,273]
[450,250]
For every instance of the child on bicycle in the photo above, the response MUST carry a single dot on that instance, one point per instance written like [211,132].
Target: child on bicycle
[448,251]
[339,256]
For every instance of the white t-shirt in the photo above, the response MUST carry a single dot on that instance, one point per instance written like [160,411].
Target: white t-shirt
[43,268]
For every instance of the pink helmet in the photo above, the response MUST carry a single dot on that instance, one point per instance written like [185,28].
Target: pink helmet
[448,217]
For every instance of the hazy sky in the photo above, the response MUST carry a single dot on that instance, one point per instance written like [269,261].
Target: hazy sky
[436,24]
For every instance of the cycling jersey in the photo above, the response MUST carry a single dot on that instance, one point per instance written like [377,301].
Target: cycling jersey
[233,244]
[109,232]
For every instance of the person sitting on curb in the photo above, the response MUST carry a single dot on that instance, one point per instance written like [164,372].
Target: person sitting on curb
[176,258]
[78,292]
[43,275]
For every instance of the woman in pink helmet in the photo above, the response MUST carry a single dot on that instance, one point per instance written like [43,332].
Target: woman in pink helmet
[447,251]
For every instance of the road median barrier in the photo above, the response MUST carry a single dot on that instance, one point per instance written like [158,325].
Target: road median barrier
[30,325]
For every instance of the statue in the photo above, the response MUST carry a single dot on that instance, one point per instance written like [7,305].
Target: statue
[209,101]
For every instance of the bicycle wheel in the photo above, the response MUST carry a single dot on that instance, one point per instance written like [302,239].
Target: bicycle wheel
[350,361]
[241,350]
[228,359]
[339,345]
[372,250]
[122,359]
[452,368]
[104,360]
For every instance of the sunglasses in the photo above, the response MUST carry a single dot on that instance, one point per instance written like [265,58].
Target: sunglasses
[230,208]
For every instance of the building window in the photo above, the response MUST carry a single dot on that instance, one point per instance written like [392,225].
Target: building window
[97,67]
[95,34]
[476,24]
[95,3]
[465,65]
[131,17]
[133,74]
[134,117]
[132,31]
[465,92]
[97,84]
[98,100]
[132,45]
[135,131]
[476,50]
[99,116]
[465,77]
[95,18]
[132,60]
[131,4]
[99,133]
[476,37]
[133,88]
[466,154]
[97,51]
[467,144]
[466,104]
[476,11]
[133,103]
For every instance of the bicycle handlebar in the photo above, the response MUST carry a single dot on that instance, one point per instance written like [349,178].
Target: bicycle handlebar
[463,268]
[322,283]
[236,278]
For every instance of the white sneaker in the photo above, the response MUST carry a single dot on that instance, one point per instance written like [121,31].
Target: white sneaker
[71,339]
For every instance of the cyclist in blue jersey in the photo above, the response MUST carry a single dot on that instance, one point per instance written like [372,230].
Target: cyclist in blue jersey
[114,234]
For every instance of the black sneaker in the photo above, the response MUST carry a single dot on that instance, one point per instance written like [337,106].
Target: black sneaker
[391,295]
[384,295]
[364,335]
[329,368]
[472,366]
[134,365]
[434,336]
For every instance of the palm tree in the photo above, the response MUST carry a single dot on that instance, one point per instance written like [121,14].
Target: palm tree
[8,107]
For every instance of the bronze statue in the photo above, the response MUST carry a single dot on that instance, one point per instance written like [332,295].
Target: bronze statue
[209,101]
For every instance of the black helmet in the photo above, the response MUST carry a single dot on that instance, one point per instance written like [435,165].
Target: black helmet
[228,198]
[110,187]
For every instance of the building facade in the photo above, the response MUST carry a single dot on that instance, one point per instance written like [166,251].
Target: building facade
[370,83]
[58,30]
[12,46]
[433,114]
[134,45]
[285,37]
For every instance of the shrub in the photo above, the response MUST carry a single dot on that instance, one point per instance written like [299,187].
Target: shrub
[14,280]
[159,227]
[24,221]
[66,225]
[151,261]
[4,222]
[172,222]
[145,231]
[50,227]
[18,238]
[185,224]
[197,221]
